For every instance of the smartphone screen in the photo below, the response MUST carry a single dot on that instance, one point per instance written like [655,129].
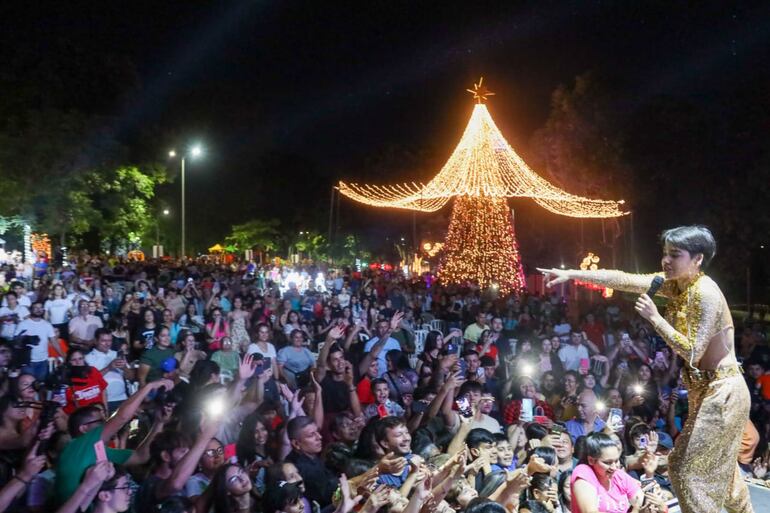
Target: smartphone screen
[527,405]
[464,407]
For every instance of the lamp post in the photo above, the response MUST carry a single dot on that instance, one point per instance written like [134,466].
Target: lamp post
[195,151]
[157,226]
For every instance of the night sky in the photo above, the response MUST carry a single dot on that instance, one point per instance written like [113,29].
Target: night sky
[288,97]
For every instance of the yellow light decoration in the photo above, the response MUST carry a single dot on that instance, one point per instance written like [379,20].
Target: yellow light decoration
[591,263]
[482,172]
[40,243]
[481,245]
[482,164]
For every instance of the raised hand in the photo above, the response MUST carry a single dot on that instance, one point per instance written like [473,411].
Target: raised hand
[347,503]
[518,480]
[246,367]
[98,474]
[296,402]
[537,465]
[286,391]
[391,464]
[337,332]
[396,320]
[377,499]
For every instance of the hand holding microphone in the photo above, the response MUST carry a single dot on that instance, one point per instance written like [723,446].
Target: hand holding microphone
[644,305]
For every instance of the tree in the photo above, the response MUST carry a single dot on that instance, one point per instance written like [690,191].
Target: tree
[313,245]
[261,234]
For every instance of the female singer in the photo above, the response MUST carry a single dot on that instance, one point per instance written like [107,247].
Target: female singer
[699,328]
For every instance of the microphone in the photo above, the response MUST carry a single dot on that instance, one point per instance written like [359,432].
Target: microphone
[657,283]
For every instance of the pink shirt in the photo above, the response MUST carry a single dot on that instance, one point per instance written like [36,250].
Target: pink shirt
[615,500]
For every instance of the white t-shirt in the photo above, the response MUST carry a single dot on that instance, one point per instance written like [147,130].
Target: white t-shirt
[344,299]
[571,355]
[270,353]
[58,310]
[23,300]
[116,386]
[44,330]
[9,327]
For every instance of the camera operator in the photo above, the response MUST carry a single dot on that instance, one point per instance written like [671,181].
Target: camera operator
[36,326]
[11,315]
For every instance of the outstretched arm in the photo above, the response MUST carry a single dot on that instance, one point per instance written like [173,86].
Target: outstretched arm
[618,280]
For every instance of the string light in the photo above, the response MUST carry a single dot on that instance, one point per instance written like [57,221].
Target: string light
[481,173]
[481,245]
[483,165]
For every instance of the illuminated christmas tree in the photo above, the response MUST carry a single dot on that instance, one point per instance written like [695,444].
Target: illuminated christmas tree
[482,172]
[481,245]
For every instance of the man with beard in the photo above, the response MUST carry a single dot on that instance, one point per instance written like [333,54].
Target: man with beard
[336,379]
[392,435]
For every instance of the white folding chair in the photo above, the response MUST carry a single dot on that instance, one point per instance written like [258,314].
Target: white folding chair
[426,327]
[419,341]
[438,324]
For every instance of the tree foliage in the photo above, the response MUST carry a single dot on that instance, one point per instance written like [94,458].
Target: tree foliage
[262,234]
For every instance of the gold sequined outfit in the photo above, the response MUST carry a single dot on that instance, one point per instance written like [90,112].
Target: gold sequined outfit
[704,462]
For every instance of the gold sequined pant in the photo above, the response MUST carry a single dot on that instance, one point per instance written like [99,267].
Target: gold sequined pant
[704,463]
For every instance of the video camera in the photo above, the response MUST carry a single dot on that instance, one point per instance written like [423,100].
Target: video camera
[21,348]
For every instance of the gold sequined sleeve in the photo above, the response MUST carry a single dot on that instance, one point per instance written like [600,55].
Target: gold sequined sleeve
[693,319]
[619,280]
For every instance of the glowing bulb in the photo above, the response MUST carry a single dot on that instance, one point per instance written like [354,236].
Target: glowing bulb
[196,151]
[638,389]
[172,154]
[215,406]
[166,211]
[526,369]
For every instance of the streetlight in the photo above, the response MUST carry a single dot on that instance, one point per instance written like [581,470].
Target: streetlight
[157,227]
[194,152]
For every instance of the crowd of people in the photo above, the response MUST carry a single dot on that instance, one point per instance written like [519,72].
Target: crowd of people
[196,387]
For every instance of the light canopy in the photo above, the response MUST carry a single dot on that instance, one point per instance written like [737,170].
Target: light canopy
[482,164]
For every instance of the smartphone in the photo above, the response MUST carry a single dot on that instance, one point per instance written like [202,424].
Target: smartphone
[464,407]
[643,442]
[615,418]
[527,405]
[463,367]
[584,362]
[101,452]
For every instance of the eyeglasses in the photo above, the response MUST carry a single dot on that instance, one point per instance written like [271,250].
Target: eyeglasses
[237,477]
[214,452]
[127,487]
